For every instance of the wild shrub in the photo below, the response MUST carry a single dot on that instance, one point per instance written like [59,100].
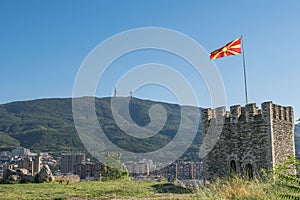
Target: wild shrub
[288,180]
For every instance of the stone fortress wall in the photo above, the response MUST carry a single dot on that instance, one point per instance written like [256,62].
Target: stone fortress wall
[251,139]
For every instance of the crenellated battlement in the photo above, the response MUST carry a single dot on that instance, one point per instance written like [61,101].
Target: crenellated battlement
[283,113]
[250,138]
[250,112]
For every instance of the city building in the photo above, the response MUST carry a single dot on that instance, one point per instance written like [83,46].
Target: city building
[185,170]
[170,172]
[5,156]
[1,171]
[89,170]
[140,168]
[182,171]
[68,160]
[20,152]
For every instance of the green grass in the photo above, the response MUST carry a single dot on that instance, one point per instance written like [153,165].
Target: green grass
[235,188]
[87,189]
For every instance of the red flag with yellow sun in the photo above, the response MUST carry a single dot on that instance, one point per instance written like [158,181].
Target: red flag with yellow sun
[232,48]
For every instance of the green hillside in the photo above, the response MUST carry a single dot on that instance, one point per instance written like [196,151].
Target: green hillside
[47,125]
[7,141]
[41,125]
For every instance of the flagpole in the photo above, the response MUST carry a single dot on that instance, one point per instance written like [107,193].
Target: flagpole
[244,64]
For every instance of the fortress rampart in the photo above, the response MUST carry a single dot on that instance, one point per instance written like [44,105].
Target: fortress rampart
[251,139]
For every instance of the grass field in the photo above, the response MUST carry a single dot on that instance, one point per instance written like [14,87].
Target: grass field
[222,189]
[92,189]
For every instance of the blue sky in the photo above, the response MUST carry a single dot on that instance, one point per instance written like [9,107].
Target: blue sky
[43,43]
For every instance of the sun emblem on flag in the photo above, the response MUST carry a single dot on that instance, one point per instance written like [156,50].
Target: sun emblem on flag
[232,48]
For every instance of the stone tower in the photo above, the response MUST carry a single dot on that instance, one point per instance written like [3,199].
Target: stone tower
[251,139]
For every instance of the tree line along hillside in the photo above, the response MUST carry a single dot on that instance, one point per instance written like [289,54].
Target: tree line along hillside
[48,125]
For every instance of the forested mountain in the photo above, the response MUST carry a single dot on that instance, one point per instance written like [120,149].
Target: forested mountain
[47,124]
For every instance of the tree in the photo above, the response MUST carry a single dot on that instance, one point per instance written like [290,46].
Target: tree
[115,168]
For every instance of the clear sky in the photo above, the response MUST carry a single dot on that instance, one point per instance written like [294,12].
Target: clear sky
[43,43]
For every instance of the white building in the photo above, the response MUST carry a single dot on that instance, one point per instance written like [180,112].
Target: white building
[141,168]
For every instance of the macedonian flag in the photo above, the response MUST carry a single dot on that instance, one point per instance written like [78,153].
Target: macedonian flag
[232,48]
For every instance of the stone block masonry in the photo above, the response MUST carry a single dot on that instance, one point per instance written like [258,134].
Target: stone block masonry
[252,139]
